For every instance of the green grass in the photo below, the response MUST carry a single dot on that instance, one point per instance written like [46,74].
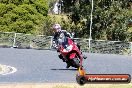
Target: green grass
[64,85]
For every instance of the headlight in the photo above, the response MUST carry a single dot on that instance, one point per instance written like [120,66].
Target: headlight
[69,48]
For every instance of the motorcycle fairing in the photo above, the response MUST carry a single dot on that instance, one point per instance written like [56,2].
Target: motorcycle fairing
[72,55]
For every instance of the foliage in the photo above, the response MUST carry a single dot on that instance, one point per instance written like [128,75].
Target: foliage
[110,18]
[24,16]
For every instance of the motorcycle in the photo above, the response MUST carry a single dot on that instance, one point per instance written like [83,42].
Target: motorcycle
[69,52]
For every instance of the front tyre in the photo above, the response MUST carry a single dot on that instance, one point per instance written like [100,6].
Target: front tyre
[76,62]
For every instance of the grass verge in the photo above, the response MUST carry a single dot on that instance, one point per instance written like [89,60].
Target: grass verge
[64,85]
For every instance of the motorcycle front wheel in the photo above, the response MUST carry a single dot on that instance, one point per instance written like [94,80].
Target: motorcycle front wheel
[76,62]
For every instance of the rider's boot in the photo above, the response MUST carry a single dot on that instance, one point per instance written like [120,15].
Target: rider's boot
[61,57]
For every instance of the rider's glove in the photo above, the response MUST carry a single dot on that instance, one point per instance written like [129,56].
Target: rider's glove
[55,45]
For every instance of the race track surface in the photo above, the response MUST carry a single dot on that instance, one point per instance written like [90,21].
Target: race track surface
[44,66]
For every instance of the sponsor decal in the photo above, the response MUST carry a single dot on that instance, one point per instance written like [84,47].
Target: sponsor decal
[83,78]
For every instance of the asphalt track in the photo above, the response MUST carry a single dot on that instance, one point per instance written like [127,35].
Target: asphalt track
[44,66]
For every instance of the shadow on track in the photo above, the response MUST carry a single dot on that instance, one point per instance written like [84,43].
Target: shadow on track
[66,69]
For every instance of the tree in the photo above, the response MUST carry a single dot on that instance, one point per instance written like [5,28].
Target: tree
[24,16]
[110,18]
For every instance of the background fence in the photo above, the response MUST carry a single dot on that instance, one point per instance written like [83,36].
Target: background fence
[19,40]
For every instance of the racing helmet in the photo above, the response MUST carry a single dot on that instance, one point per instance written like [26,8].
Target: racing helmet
[57,27]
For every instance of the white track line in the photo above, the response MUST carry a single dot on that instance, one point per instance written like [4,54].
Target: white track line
[7,70]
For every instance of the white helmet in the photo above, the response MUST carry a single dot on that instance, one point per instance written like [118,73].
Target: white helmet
[57,27]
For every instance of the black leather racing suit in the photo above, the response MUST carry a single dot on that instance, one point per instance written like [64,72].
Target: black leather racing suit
[66,34]
[57,34]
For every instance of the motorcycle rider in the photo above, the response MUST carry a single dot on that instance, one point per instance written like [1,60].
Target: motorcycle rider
[57,31]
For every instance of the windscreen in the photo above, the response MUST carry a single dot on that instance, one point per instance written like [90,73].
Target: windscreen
[62,40]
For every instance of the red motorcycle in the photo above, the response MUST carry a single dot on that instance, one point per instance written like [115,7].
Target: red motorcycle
[69,52]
